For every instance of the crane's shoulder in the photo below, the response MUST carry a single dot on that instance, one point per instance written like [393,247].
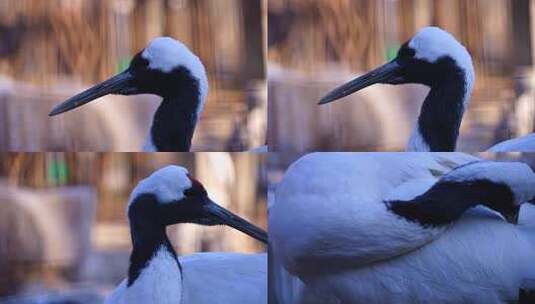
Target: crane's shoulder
[520,144]
[223,261]
[227,277]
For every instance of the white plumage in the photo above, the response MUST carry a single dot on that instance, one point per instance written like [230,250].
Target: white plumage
[329,227]
[165,54]
[168,184]
[517,176]
[206,278]
[156,276]
[432,43]
[234,278]
[479,260]
[520,144]
[160,282]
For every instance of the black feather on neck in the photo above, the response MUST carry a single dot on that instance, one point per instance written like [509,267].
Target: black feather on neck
[442,111]
[175,119]
[446,202]
[148,235]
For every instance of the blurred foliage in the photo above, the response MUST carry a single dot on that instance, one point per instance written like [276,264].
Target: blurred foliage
[306,34]
[51,47]
[314,44]
[42,41]
[113,175]
[58,173]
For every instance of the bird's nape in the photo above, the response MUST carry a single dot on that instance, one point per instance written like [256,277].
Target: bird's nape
[118,84]
[387,73]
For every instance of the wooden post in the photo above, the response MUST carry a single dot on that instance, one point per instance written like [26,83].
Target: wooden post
[532,26]
[446,15]
[253,65]
[521,19]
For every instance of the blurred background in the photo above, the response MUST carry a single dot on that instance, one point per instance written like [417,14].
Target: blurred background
[50,50]
[315,45]
[64,235]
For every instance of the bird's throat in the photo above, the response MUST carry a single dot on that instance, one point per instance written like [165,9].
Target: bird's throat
[174,124]
[441,115]
[148,237]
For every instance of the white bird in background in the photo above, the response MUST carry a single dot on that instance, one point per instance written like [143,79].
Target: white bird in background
[434,58]
[405,227]
[166,68]
[155,275]
[520,144]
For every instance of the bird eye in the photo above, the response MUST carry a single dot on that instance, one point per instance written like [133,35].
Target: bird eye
[196,189]
[406,52]
[190,192]
[138,62]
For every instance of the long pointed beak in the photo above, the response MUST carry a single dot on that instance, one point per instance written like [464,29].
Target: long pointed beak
[380,75]
[114,85]
[228,218]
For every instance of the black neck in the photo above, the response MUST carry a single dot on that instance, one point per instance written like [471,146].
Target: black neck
[442,112]
[148,236]
[174,123]
[445,202]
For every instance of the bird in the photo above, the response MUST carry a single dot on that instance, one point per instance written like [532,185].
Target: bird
[167,68]
[169,196]
[434,58]
[405,227]
[521,144]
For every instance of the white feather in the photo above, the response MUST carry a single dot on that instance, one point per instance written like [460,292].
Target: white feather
[165,54]
[148,146]
[417,142]
[339,197]
[479,260]
[516,175]
[160,282]
[168,184]
[206,278]
[326,226]
[520,144]
[433,43]
[225,278]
